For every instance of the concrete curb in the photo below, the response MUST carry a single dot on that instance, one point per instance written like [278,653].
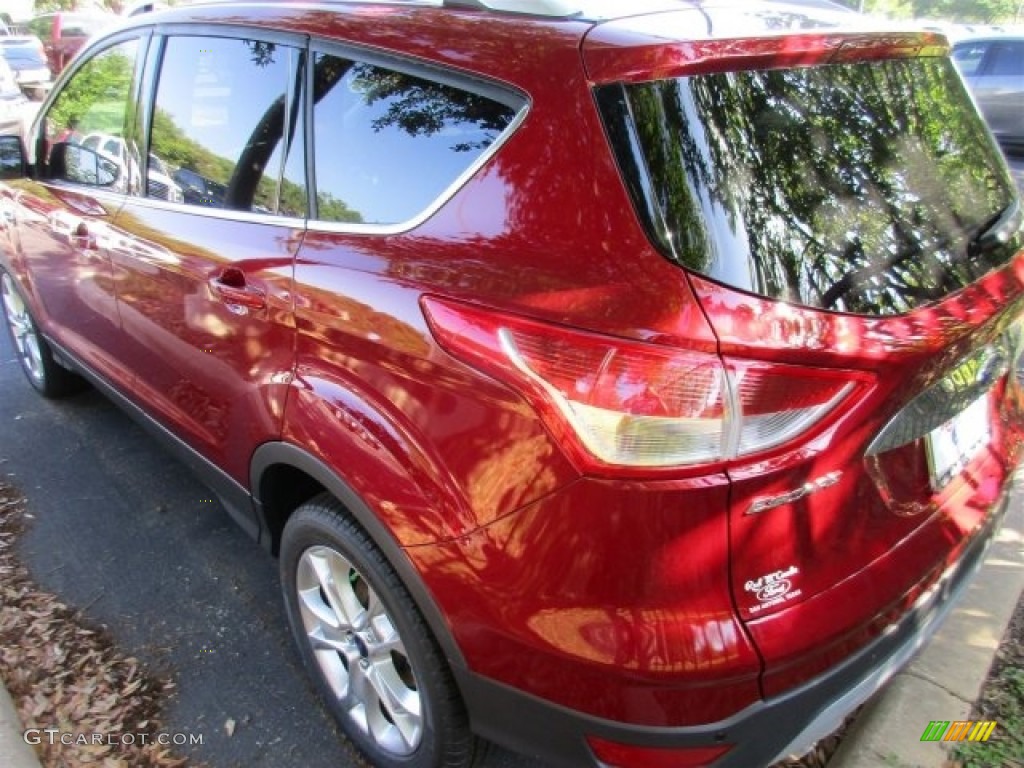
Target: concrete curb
[14,752]
[944,680]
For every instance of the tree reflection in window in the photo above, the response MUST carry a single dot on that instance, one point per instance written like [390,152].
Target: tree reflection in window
[853,187]
[220,123]
[92,104]
[388,144]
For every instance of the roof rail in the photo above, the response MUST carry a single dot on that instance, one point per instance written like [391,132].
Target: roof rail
[531,7]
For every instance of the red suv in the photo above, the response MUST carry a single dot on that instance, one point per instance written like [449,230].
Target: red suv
[632,387]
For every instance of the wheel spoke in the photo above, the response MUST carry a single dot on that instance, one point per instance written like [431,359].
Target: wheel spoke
[327,638]
[361,693]
[394,694]
[385,638]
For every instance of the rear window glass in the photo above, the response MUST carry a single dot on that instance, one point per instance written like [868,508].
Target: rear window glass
[855,187]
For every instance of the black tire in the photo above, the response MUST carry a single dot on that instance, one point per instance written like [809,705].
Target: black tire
[44,373]
[333,574]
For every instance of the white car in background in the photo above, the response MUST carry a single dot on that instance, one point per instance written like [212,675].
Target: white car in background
[12,101]
[161,185]
[993,66]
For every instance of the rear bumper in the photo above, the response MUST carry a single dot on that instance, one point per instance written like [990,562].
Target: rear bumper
[763,732]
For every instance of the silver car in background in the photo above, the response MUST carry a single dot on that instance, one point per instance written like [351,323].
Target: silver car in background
[993,67]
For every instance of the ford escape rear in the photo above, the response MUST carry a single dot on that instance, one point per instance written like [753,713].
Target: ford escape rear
[630,384]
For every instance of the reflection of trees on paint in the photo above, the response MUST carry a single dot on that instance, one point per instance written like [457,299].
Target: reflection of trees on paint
[854,188]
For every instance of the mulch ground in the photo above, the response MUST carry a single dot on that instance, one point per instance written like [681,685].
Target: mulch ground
[65,674]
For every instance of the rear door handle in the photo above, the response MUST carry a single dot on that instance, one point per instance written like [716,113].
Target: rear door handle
[231,288]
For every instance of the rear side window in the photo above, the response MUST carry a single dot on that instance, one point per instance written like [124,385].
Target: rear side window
[223,125]
[861,187]
[389,144]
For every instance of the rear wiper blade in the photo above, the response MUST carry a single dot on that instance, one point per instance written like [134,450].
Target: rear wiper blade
[998,228]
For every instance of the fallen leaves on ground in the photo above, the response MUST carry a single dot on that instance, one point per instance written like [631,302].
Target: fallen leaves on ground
[65,675]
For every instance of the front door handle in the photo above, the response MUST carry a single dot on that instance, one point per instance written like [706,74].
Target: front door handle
[230,287]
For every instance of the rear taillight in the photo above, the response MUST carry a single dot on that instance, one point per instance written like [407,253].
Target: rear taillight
[616,755]
[622,403]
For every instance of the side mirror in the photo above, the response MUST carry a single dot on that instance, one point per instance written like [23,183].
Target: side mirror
[12,158]
[73,162]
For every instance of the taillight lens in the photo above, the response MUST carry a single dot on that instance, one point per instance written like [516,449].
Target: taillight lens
[631,404]
[616,755]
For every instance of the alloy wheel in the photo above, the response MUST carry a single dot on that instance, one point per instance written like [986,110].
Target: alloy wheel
[23,330]
[359,650]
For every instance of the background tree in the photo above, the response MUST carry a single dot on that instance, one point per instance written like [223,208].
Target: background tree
[46,6]
[964,11]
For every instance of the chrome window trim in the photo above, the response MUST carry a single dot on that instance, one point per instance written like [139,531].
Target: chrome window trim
[123,201]
[228,214]
[315,225]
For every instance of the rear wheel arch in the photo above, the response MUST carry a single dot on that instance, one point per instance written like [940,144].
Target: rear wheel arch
[284,476]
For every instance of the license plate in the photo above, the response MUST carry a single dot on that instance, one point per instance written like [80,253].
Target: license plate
[951,446]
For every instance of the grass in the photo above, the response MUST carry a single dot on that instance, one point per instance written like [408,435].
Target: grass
[1002,700]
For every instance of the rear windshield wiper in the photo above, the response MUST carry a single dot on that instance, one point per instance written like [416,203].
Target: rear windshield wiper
[997,229]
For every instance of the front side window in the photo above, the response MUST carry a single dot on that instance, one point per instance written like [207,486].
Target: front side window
[84,128]
[388,144]
[222,126]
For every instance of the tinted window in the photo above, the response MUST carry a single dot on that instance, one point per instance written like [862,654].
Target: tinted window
[1006,60]
[968,56]
[388,144]
[858,187]
[219,124]
[93,105]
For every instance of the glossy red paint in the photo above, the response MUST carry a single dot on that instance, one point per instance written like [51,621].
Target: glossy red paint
[62,265]
[881,513]
[211,367]
[605,597]
[648,597]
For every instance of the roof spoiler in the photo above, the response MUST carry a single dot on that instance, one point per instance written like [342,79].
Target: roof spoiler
[560,8]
